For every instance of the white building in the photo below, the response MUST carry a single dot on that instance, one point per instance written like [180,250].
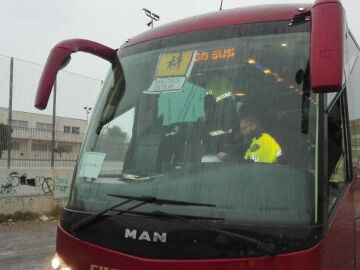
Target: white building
[32,136]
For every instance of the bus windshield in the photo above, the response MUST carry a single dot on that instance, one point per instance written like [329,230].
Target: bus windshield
[221,116]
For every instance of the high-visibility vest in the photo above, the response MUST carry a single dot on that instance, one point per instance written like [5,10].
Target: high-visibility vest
[264,149]
[338,175]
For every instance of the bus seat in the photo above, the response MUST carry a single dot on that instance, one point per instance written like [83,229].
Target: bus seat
[146,153]
[160,149]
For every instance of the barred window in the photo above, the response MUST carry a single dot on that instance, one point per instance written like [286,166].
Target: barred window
[19,123]
[67,129]
[43,126]
[66,148]
[15,145]
[75,130]
[39,146]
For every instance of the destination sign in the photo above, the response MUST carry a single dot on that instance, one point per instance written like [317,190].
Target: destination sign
[214,55]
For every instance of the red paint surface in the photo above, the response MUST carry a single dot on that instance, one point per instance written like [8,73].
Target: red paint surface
[327,46]
[88,254]
[55,60]
[339,242]
[237,16]
[336,251]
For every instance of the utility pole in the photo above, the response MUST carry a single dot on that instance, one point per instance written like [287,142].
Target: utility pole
[10,112]
[52,161]
[221,5]
[87,110]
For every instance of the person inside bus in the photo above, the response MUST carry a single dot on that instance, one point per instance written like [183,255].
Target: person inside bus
[220,109]
[252,142]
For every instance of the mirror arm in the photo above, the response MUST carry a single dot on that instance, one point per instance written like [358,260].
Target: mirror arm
[59,57]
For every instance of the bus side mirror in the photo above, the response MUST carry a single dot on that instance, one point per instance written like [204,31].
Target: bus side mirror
[59,57]
[327,46]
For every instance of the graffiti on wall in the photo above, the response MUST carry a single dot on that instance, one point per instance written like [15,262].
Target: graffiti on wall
[24,203]
[62,188]
[16,184]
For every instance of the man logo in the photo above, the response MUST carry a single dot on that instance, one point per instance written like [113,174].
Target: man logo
[146,236]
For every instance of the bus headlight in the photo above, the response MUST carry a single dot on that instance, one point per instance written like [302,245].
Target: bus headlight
[58,264]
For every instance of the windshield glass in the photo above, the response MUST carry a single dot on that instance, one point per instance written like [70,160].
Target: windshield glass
[222,117]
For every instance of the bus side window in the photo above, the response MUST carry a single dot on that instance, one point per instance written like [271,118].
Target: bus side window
[336,152]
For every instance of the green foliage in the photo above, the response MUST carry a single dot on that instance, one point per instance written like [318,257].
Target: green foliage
[18,216]
[56,212]
[28,216]
[114,143]
[61,149]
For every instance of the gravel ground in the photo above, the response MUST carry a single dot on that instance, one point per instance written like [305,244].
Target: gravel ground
[27,245]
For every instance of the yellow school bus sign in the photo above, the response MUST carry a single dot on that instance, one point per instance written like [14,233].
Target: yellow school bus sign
[174,64]
[172,71]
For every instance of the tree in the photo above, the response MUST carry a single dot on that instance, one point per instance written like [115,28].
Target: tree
[4,137]
[61,149]
[114,142]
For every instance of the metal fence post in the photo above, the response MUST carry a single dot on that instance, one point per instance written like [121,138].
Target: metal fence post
[53,127]
[10,111]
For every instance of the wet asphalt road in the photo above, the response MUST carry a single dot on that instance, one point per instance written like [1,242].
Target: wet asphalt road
[27,245]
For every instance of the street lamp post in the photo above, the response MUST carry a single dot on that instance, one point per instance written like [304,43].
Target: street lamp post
[87,110]
[152,16]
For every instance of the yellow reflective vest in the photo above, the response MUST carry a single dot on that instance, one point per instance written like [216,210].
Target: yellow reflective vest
[264,149]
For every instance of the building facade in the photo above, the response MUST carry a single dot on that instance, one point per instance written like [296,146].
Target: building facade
[355,141]
[31,137]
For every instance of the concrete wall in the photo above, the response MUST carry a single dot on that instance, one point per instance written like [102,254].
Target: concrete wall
[36,204]
[33,190]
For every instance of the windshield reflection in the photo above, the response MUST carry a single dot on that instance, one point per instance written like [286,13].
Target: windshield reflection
[230,122]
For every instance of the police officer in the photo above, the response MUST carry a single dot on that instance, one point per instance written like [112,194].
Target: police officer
[253,143]
[220,109]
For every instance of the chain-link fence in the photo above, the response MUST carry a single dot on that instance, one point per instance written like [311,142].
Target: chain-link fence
[52,137]
[26,134]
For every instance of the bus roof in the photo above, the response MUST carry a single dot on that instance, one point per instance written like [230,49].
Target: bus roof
[243,15]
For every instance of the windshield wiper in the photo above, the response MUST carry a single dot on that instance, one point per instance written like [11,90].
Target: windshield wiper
[143,200]
[269,248]
[98,216]
[154,200]
[156,214]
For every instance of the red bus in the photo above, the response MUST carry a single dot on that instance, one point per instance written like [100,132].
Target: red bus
[162,181]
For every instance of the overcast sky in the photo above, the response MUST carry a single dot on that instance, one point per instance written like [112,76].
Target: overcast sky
[30,28]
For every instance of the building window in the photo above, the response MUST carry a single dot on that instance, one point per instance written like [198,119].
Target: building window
[39,146]
[19,124]
[67,129]
[75,130]
[337,166]
[15,145]
[44,126]
[64,148]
